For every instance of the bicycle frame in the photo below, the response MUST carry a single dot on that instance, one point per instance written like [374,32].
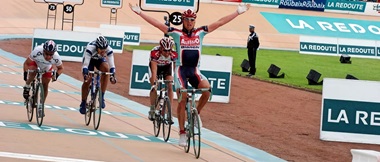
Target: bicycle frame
[192,115]
[33,102]
[95,95]
[163,109]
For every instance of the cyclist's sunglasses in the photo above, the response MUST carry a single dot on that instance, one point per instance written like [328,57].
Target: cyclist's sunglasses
[166,50]
[48,53]
[189,19]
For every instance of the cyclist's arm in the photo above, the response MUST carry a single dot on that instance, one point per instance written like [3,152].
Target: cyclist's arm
[153,68]
[60,69]
[27,62]
[86,59]
[110,59]
[222,21]
[154,22]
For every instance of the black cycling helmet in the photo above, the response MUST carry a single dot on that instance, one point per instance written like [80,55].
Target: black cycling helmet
[101,42]
[50,46]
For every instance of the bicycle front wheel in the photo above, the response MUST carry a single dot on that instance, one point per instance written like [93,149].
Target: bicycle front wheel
[39,97]
[97,111]
[29,109]
[157,120]
[196,134]
[167,119]
[89,108]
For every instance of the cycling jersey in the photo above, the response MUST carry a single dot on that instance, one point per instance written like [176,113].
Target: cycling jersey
[188,45]
[37,56]
[160,59]
[189,49]
[91,57]
[164,64]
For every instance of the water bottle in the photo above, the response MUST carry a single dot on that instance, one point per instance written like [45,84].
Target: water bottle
[161,102]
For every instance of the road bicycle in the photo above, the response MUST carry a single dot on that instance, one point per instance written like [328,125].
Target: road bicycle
[193,132]
[95,99]
[163,110]
[36,100]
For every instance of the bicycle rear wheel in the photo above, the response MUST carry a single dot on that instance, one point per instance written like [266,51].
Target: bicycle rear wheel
[196,134]
[97,108]
[89,108]
[167,120]
[39,97]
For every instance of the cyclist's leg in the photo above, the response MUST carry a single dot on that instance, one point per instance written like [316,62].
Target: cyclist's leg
[168,76]
[85,88]
[200,81]
[181,83]
[153,70]
[46,80]
[103,66]
[32,75]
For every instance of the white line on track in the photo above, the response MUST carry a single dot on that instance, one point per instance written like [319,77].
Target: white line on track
[41,157]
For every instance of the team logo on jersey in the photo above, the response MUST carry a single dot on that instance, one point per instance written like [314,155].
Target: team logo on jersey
[192,42]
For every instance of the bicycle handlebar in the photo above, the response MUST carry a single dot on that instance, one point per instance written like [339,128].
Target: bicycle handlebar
[40,71]
[164,81]
[100,73]
[192,91]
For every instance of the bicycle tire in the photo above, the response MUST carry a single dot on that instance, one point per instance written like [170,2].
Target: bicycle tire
[39,101]
[97,111]
[196,134]
[166,119]
[89,108]
[157,120]
[29,109]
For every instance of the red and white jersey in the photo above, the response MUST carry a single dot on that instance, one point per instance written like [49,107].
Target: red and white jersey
[37,56]
[161,60]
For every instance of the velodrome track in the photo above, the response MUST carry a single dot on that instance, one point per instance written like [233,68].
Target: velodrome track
[124,134]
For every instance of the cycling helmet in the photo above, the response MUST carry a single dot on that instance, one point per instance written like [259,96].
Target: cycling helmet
[189,13]
[166,43]
[101,42]
[50,46]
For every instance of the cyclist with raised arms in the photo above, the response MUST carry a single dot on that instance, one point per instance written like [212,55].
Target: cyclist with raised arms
[161,61]
[188,42]
[43,56]
[95,56]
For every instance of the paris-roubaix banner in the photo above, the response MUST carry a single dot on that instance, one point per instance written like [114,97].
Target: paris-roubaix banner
[353,7]
[261,3]
[217,72]
[311,5]
[338,46]
[111,3]
[114,37]
[70,44]
[350,111]
[131,33]
[169,4]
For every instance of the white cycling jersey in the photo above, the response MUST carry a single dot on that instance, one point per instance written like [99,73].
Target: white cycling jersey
[37,56]
[92,53]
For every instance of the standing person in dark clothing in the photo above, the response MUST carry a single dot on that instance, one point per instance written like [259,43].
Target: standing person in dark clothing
[252,45]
